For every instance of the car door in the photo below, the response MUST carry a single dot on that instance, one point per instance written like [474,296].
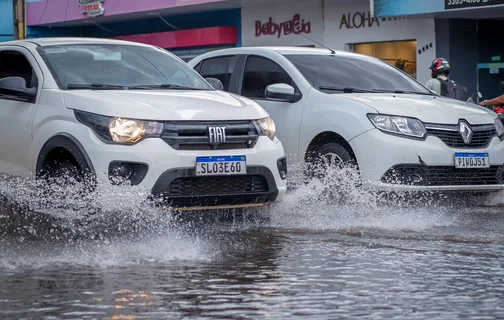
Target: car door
[260,72]
[16,113]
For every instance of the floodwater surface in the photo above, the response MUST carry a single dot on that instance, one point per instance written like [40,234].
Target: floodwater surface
[311,260]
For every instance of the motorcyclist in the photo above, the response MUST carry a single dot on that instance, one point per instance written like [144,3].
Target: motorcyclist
[493,102]
[440,69]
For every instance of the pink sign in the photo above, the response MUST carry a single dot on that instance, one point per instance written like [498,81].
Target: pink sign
[46,12]
[296,25]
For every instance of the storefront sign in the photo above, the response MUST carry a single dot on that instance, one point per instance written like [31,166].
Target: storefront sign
[358,20]
[458,4]
[92,8]
[294,26]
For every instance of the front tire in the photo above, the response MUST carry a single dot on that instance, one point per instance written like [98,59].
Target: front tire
[66,187]
[65,174]
[328,156]
[335,168]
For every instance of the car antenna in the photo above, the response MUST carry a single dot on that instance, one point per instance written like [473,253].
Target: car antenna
[332,50]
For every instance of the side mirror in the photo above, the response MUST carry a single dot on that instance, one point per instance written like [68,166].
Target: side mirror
[281,92]
[480,95]
[215,83]
[16,86]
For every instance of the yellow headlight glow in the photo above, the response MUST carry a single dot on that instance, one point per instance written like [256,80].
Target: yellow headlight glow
[126,131]
[267,126]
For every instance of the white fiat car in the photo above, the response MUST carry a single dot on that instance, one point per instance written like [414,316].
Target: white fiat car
[340,107]
[119,112]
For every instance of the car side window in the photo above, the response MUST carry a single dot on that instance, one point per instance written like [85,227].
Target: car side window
[220,68]
[15,64]
[197,67]
[259,73]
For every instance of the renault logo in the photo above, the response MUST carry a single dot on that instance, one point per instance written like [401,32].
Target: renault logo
[465,132]
[217,134]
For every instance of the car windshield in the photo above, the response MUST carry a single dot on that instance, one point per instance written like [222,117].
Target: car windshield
[110,66]
[338,74]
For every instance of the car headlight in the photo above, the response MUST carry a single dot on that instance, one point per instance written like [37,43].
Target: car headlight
[499,127]
[119,130]
[266,127]
[404,126]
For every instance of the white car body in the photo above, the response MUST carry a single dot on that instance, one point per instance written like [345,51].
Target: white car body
[344,118]
[29,131]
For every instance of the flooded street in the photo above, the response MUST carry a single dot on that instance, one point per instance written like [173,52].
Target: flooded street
[359,261]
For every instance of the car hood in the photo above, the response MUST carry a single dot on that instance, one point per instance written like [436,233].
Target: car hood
[429,109]
[164,104]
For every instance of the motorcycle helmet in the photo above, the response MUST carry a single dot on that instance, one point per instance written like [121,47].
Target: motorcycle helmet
[439,65]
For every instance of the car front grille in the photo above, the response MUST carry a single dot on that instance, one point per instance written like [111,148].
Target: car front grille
[449,134]
[193,135]
[418,175]
[217,185]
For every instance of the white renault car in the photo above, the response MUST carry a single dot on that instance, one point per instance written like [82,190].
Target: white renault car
[340,107]
[114,112]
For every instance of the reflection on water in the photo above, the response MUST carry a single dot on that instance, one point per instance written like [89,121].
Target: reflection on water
[263,272]
[315,259]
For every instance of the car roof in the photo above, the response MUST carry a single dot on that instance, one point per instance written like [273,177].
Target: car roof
[69,41]
[279,50]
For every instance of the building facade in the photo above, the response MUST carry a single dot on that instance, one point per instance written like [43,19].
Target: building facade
[185,27]
[342,25]
[466,34]
[191,27]
[6,20]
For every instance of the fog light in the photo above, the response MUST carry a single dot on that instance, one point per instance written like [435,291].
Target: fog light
[282,167]
[127,172]
[121,170]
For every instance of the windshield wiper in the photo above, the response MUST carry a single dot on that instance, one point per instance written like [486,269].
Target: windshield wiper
[344,89]
[401,92]
[96,86]
[161,86]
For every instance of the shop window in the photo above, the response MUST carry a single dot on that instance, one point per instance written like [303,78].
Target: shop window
[401,54]
[220,68]
[260,73]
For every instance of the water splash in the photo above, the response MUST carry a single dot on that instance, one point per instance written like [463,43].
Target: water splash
[339,200]
[170,247]
[115,225]
[38,209]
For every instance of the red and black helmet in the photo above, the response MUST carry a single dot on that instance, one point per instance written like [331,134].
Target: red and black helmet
[439,65]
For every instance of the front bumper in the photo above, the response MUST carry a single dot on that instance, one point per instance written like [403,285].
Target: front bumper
[170,174]
[379,153]
[181,188]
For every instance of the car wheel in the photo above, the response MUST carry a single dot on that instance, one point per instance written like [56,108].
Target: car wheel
[335,168]
[67,188]
[66,174]
[327,157]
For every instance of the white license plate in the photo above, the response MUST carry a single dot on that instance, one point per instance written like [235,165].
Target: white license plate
[472,160]
[212,166]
